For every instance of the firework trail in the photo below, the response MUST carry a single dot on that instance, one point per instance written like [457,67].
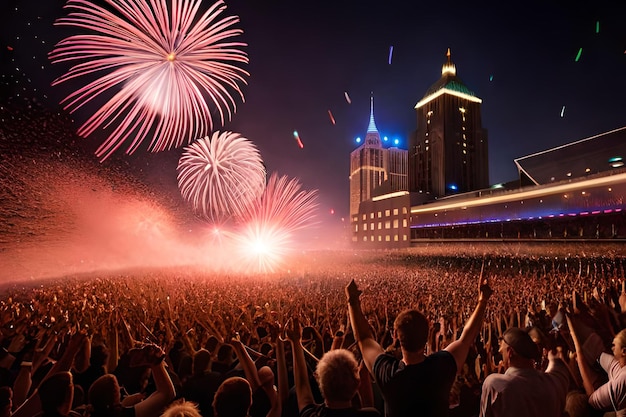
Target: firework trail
[221,176]
[159,66]
[271,221]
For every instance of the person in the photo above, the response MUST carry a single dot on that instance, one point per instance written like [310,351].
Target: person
[201,386]
[104,394]
[610,396]
[56,394]
[182,408]
[337,374]
[233,398]
[415,382]
[523,390]
[98,360]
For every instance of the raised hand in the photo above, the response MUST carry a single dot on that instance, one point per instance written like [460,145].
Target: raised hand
[352,291]
[293,330]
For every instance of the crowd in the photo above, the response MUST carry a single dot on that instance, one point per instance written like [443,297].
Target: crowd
[400,334]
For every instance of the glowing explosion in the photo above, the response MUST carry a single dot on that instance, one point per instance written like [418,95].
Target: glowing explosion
[166,61]
[221,176]
[270,222]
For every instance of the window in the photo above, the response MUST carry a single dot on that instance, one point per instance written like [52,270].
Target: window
[387,224]
[371,215]
[380,225]
[395,238]
[395,211]
[404,237]
[387,238]
[404,210]
[380,214]
[364,226]
[387,213]
[395,223]
[403,222]
[364,216]
[371,226]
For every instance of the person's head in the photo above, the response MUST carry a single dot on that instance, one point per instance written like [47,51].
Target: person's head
[225,354]
[577,405]
[182,409]
[337,374]
[57,393]
[266,376]
[518,349]
[233,398]
[201,361]
[211,344]
[6,401]
[104,393]
[99,355]
[619,347]
[411,329]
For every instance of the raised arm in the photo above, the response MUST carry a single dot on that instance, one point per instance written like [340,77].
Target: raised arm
[300,373]
[460,348]
[585,370]
[370,349]
[249,368]
[165,393]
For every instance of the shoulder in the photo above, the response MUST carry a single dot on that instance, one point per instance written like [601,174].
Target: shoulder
[311,410]
[386,362]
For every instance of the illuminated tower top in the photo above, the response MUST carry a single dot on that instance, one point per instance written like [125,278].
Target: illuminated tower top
[449,83]
[448,67]
[372,126]
[372,138]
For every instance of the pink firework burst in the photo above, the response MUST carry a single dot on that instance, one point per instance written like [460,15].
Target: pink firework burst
[221,176]
[162,62]
[271,221]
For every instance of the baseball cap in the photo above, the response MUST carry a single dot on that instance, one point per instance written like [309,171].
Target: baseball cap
[521,342]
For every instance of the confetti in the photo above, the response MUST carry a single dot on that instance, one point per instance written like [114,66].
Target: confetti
[332,119]
[580,52]
[491,78]
[563,111]
[597,26]
[10,48]
[297,138]
[345,93]
[390,53]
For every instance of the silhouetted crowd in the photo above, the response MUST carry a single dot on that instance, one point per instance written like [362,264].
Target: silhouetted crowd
[400,335]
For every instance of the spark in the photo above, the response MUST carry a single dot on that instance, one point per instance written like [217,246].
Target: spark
[332,119]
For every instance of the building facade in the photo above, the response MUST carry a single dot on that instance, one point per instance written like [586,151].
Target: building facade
[378,187]
[374,169]
[448,153]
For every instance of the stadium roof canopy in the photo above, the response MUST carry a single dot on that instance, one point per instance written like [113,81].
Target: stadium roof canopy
[593,155]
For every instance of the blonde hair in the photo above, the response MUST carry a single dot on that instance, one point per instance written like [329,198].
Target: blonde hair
[337,374]
[182,408]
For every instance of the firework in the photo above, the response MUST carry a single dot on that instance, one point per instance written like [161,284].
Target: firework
[221,176]
[159,66]
[271,221]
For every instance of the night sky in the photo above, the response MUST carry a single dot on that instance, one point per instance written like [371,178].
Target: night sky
[520,58]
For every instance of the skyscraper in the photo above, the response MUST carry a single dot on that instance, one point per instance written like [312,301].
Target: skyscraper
[448,152]
[373,167]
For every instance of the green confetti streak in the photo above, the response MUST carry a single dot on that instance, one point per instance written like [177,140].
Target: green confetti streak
[580,52]
[597,26]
